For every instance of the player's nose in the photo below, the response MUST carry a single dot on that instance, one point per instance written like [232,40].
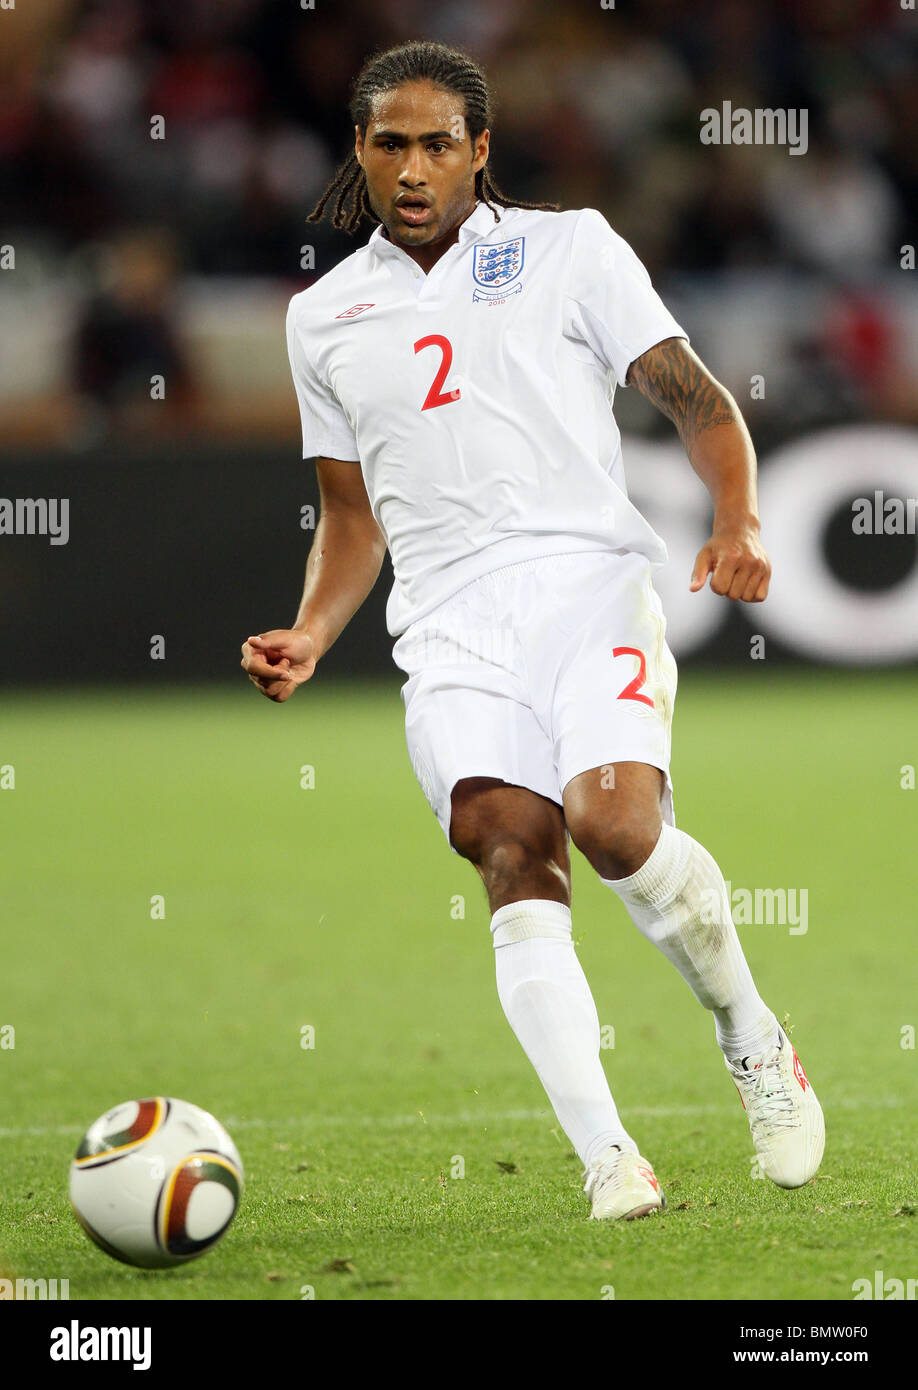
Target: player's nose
[411,174]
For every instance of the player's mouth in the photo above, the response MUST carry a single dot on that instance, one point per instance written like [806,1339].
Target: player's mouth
[414,211]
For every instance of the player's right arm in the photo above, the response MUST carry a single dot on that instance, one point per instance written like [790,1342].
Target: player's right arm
[343,565]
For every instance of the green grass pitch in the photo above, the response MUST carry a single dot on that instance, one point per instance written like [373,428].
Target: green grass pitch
[340,908]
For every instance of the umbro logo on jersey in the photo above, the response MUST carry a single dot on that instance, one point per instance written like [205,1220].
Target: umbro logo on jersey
[353,311]
[495,266]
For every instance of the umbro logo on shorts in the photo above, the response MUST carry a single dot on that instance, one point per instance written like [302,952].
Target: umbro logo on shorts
[353,311]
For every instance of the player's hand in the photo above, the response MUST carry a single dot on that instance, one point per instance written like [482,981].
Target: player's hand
[735,559]
[278,661]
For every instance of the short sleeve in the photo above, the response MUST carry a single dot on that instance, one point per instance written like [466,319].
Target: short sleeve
[611,304]
[326,431]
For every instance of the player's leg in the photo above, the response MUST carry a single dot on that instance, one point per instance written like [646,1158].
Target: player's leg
[674,892]
[486,766]
[604,682]
[518,843]
[676,896]
[606,687]
[515,838]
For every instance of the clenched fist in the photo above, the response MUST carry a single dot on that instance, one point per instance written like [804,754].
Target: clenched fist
[278,661]
[737,563]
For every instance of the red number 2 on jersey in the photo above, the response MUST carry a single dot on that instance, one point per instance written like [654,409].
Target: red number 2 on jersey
[632,689]
[435,396]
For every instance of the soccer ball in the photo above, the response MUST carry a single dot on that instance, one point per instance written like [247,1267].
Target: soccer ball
[156,1182]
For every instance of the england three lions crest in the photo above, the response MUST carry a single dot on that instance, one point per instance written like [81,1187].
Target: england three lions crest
[497,266]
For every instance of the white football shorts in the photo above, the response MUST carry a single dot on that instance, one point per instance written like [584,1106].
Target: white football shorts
[536,672]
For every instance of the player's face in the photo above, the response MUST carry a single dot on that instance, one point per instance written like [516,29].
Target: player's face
[420,163]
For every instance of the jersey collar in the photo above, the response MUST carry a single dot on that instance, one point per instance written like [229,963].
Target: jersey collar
[477,224]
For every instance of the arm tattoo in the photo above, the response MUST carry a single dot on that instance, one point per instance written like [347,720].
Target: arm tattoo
[674,378]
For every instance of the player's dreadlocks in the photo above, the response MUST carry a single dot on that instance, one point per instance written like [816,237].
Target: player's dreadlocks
[386,69]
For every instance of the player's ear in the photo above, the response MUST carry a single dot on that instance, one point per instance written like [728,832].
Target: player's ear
[358,145]
[482,145]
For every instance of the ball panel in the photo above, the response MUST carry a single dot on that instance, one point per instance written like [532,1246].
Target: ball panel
[211,1185]
[168,1195]
[120,1131]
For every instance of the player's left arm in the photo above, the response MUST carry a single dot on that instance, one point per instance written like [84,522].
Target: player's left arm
[717,442]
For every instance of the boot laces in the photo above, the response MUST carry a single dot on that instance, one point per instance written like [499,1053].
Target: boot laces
[766,1092]
[612,1169]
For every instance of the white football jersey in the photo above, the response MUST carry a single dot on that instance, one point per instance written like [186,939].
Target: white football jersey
[477,398]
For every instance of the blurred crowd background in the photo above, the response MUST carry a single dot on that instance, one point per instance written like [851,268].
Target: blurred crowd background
[137,256]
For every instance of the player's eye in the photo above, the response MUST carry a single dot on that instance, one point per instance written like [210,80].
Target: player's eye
[436,145]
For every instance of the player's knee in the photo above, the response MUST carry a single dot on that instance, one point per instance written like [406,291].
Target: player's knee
[616,848]
[494,850]
[513,869]
[510,861]
[467,831]
[518,844]
[514,865]
[484,812]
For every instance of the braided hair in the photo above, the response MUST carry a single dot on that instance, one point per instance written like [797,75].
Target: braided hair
[418,60]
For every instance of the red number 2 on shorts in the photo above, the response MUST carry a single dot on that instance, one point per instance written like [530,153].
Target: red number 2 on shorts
[632,689]
[435,396]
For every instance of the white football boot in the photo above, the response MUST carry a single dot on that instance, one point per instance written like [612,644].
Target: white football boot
[622,1186]
[785,1118]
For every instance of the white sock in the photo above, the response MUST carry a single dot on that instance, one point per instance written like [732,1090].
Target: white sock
[679,901]
[545,995]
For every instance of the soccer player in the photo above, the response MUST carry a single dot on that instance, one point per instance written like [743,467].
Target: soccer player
[455,379]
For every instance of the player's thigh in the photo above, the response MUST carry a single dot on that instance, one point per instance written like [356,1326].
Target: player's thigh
[615,809]
[487,816]
[472,723]
[604,677]
[604,686]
